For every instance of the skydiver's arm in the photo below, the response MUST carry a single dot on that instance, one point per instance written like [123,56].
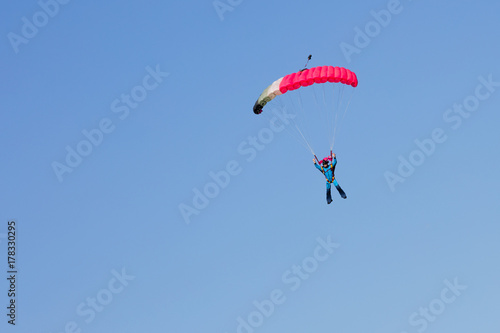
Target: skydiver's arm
[334,162]
[318,167]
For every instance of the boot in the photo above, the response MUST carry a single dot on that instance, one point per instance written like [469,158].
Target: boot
[342,193]
[329,196]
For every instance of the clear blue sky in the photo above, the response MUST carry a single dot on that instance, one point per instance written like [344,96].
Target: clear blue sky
[156,98]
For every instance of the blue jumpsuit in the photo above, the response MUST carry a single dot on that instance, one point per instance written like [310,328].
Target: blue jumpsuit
[330,178]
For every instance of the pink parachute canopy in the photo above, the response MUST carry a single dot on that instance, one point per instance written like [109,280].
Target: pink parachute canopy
[304,78]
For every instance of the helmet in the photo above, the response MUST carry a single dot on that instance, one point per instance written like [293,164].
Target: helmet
[326,160]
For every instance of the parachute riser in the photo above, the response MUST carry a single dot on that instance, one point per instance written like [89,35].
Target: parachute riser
[317,160]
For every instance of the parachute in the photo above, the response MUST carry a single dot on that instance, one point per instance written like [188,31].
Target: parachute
[318,114]
[305,78]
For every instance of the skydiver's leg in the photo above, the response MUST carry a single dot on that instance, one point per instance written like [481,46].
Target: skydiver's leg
[342,193]
[328,193]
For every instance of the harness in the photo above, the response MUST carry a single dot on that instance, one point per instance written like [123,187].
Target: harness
[324,174]
[321,163]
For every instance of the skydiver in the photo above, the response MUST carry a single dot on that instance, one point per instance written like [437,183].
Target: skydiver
[329,171]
